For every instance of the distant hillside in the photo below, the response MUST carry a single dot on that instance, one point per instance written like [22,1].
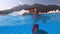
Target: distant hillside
[45,8]
[40,7]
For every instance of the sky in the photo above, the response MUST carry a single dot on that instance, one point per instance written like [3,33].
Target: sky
[8,4]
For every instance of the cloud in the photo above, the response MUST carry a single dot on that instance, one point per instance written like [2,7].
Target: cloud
[54,11]
[16,13]
[21,3]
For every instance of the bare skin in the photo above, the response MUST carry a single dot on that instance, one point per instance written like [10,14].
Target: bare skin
[36,16]
[35,13]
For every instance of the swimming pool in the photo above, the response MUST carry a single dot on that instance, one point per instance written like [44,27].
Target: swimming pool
[23,24]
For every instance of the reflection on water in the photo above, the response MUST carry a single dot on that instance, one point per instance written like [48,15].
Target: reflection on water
[20,24]
[44,18]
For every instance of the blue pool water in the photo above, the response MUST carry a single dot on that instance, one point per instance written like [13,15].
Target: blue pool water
[23,24]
